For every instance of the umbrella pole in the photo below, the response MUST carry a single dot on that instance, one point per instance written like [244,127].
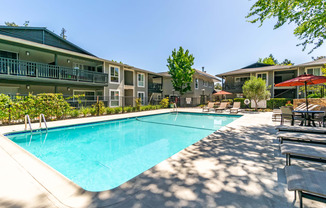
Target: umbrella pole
[305,87]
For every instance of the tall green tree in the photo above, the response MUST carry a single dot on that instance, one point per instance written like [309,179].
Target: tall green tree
[179,64]
[309,16]
[255,89]
[11,24]
[273,61]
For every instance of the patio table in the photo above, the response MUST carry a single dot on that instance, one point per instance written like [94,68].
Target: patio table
[308,116]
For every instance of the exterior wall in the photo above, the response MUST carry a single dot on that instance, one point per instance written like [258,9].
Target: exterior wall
[141,89]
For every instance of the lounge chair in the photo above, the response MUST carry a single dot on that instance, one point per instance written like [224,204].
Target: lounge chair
[287,114]
[236,107]
[314,130]
[222,107]
[321,118]
[309,183]
[301,137]
[310,152]
[209,106]
[276,112]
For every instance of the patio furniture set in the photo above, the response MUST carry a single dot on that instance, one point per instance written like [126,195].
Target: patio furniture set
[309,144]
[222,107]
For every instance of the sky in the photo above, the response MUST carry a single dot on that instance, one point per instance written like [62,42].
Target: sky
[143,33]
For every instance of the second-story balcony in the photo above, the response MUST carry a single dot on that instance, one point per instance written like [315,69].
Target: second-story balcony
[34,71]
[155,87]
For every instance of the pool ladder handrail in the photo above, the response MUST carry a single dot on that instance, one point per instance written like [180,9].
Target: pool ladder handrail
[175,107]
[27,119]
[46,126]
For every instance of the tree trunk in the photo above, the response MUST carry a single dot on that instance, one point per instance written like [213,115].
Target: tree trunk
[256,106]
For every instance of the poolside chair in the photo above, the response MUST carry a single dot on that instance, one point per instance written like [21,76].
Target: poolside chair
[209,106]
[301,137]
[276,112]
[302,129]
[236,107]
[222,107]
[321,118]
[300,107]
[287,114]
[309,183]
[310,152]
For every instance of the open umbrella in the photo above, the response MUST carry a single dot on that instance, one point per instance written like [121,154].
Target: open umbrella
[305,79]
[222,92]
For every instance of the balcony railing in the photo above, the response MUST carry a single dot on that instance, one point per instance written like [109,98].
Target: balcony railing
[34,69]
[154,87]
[234,87]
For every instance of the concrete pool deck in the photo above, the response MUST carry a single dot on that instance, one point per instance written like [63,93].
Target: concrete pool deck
[238,166]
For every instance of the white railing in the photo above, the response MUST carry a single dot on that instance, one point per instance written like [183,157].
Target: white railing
[27,119]
[42,117]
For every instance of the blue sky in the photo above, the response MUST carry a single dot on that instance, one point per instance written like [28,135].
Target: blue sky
[143,33]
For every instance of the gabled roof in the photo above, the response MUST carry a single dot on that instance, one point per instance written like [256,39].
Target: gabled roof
[256,69]
[41,35]
[166,74]
[321,61]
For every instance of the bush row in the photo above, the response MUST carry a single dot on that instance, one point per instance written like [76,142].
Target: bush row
[271,104]
[55,106]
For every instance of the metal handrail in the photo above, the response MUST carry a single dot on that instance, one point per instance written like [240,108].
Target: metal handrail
[29,122]
[42,116]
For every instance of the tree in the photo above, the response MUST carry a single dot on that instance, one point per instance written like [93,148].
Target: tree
[268,60]
[180,69]
[273,61]
[11,24]
[26,23]
[218,86]
[63,33]
[308,15]
[255,89]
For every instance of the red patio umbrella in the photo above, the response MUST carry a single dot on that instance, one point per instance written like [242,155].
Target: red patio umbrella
[222,92]
[305,79]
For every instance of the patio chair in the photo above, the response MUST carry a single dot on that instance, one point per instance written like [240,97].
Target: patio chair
[301,137]
[309,183]
[302,129]
[310,152]
[209,106]
[276,112]
[287,114]
[300,107]
[236,107]
[222,107]
[321,118]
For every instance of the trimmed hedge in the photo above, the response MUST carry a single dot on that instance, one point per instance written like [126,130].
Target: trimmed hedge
[277,102]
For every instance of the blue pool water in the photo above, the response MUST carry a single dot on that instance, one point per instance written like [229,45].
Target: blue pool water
[102,156]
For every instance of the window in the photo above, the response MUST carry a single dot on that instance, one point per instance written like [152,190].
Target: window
[263,76]
[196,83]
[141,80]
[241,79]
[84,67]
[6,54]
[210,84]
[114,98]
[205,83]
[114,74]
[314,71]
[141,95]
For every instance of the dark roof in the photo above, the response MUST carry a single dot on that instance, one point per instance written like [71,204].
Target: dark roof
[41,35]
[256,65]
[166,74]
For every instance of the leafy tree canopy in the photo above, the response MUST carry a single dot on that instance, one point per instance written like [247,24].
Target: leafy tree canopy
[13,24]
[273,61]
[309,16]
[218,86]
[255,89]
[179,64]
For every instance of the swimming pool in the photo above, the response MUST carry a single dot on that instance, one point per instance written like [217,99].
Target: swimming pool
[101,156]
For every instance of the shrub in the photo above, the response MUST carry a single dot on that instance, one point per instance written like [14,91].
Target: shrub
[109,110]
[277,102]
[138,103]
[74,113]
[134,109]
[128,109]
[117,110]
[99,107]
[164,102]
[158,106]
[228,100]
[93,111]
[5,101]
[85,111]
